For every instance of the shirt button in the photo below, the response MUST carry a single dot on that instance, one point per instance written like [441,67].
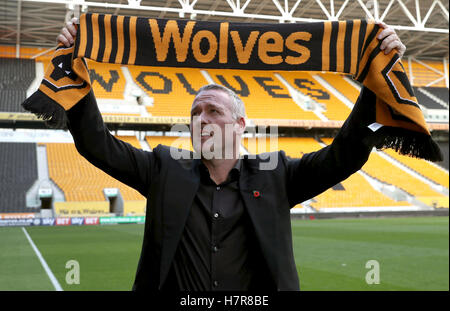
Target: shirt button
[218,188]
[216,215]
[215,283]
[215,249]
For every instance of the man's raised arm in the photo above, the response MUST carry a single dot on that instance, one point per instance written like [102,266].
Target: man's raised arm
[93,140]
[318,171]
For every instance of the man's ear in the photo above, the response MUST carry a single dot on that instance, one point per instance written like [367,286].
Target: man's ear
[241,125]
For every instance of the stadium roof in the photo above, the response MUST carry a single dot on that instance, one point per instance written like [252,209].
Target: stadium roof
[423,25]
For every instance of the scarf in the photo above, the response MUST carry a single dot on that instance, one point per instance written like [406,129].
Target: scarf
[349,47]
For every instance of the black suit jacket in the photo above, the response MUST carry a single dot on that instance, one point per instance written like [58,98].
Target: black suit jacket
[170,186]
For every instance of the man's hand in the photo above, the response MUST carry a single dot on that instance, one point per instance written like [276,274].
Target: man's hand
[390,40]
[68,33]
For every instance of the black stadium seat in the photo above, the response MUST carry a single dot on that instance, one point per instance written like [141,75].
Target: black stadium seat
[439,92]
[18,172]
[16,76]
[426,101]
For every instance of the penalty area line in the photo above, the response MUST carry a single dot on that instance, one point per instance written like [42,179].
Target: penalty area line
[49,272]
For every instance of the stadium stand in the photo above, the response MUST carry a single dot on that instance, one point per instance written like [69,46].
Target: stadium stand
[18,172]
[439,92]
[305,83]
[422,167]
[81,181]
[173,89]
[355,191]
[420,75]
[132,140]
[425,100]
[107,80]
[385,171]
[445,151]
[173,141]
[341,85]
[264,96]
[15,77]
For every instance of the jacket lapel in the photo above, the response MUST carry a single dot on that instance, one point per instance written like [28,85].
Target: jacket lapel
[176,207]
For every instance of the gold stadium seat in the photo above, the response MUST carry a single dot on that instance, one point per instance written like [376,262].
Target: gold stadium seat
[357,190]
[173,141]
[173,89]
[423,76]
[340,84]
[305,83]
[387,172]
[80,180]
[132,140]
[294,147]
[107,80]
[427,169]
[358,193]
[264,96]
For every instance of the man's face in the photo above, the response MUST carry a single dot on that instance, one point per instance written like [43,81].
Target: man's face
[213,127]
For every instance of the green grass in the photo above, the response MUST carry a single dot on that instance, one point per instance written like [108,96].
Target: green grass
[20,268]
[413,254]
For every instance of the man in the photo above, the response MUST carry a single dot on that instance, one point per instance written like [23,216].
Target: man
[219,222]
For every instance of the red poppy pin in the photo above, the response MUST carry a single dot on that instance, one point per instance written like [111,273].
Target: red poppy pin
[256,193]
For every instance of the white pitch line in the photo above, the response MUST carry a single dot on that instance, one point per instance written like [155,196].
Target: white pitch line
[43,262]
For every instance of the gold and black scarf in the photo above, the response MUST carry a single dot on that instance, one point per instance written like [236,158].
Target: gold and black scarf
[349,47]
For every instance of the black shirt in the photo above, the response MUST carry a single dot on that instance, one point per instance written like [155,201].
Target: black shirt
[218,249]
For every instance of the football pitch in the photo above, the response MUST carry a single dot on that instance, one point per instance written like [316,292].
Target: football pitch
[342,255]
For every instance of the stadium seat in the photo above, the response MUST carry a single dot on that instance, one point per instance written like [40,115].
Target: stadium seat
[358,193]
[427,169]
[18,172]
[426,100]
[264,96]
[440,92]
[173,141]
[305,83]
[173,89]
[16,75]
[385,171]
[107,80]
[78,179]
[423,76]
[340,84]
[354,191]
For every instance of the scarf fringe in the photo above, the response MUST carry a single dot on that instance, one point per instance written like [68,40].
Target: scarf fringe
[409,143]
[46,109]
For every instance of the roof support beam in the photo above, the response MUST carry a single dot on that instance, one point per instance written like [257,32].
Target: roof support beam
[19,11]
[238,10]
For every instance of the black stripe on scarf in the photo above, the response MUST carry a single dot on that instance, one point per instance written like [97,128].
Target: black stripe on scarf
[112,56]
[89,35]
[333,45]
[362,33]
[372,55]
[101,34]
[348,46]
[126,40]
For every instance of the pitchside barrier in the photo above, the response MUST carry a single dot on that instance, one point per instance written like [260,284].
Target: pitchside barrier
[70,221]
[138,120]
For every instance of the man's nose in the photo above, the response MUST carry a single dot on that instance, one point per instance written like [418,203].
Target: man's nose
[203,118]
